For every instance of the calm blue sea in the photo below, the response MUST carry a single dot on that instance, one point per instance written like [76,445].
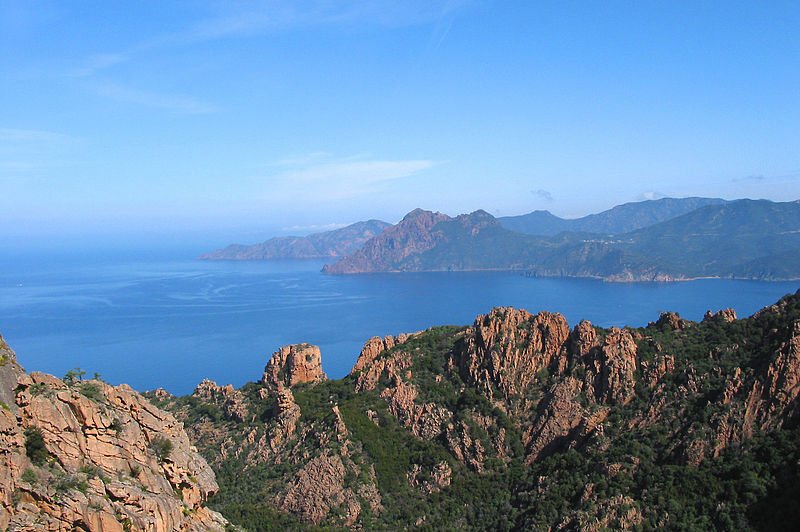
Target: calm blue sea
[171,322]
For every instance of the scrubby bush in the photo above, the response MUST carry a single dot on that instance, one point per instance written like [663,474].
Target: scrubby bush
[35,447]
[92,391]
[162,447]
[30,476]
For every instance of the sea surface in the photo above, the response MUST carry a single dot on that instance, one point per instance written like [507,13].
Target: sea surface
[154,321]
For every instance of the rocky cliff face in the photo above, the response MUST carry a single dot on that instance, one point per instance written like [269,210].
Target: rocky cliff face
[84,455]
[10,372]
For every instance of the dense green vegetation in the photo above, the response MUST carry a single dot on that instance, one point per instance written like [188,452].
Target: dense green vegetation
[35,447]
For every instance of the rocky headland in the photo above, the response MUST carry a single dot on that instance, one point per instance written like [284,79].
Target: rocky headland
[336,243]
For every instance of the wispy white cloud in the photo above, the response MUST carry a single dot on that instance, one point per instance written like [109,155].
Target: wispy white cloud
[33,136]
[97,62]
[543,194]
[176,103]
[760,178]
[356,172]
[243,19]
[327,179]
[313,228]
[651,195]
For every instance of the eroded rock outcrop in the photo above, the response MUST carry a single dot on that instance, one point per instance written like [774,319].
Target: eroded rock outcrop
[727,315]
[424,419]
[584,338]
[287,416]
[430,481]
[294,364]
[611,369]
[391,367]
[506,349]
[10,371]
[670,321]
[515,386]
[561,421]
[227,398]
[90,456]
[772,399]
[375,346]
[317,488]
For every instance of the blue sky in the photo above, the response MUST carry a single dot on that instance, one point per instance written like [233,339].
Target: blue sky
[234,121]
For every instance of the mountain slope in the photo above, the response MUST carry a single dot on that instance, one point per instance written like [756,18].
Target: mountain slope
[739,239]
[519,422]
[411,236]
[617,220]
[334,243]
[757,238]
[426,241]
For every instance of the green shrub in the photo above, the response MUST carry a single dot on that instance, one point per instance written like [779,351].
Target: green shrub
[35,447]
[74,375]
[92,391]
[162,447]
[116,426]
[38,388]
[93,471]
[65,483]
[30,476]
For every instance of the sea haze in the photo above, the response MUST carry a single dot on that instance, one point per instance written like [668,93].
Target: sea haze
[170,322]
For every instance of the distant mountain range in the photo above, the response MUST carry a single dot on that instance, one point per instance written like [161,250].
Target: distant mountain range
[620,219]
[740,239]
[336,243]
[666,239]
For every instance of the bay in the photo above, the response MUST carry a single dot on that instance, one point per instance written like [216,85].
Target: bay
[169,322]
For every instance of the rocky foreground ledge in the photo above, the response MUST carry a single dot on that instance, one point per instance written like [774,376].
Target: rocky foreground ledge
[84,455]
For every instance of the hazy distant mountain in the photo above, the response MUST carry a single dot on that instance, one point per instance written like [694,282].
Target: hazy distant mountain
[742,239]
[617,220]
[334,243]
[425,240]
